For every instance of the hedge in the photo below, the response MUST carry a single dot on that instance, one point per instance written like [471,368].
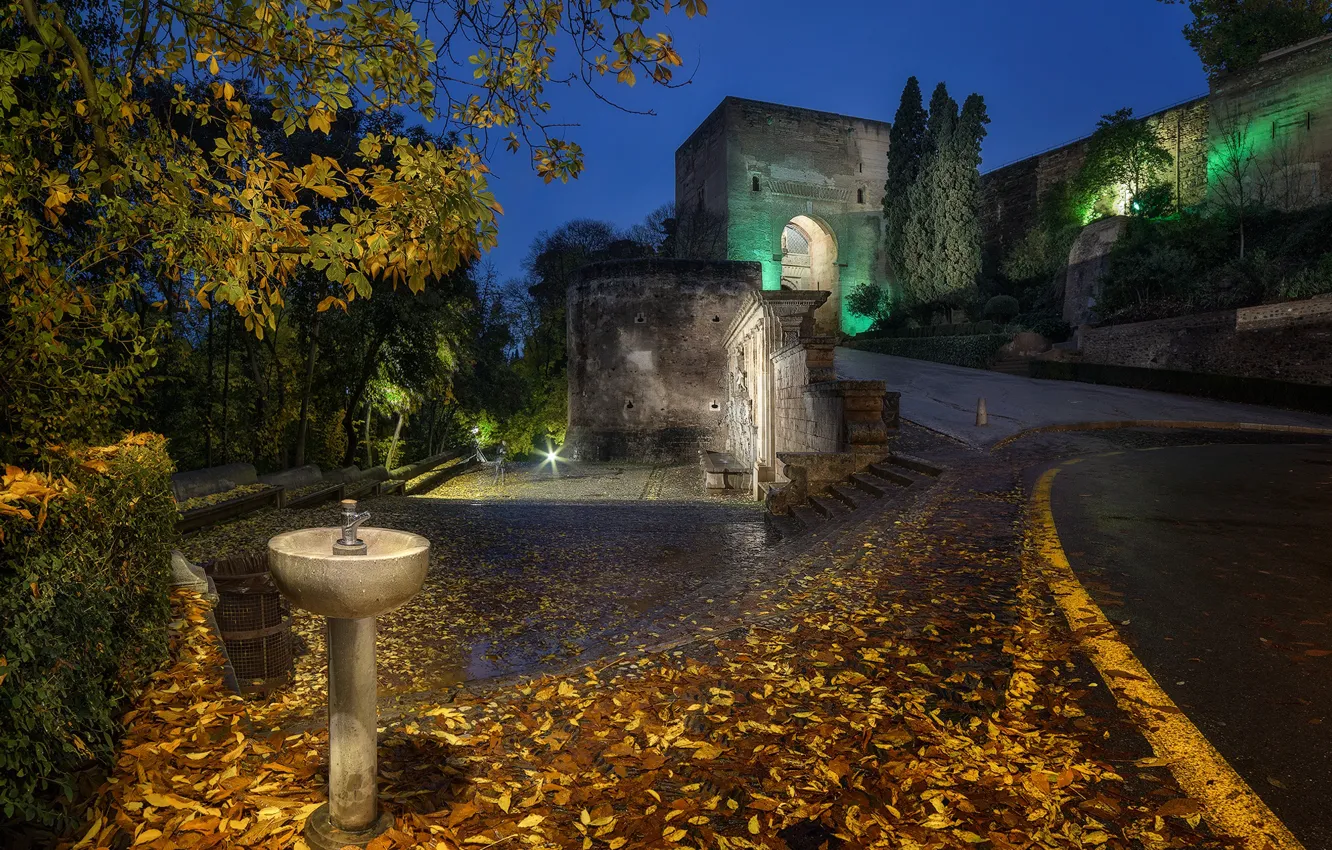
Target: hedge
[84,581]
[976,352]
[1265,391]
[965,329]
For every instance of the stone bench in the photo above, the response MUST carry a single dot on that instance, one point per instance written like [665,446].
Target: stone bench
[213,480]
[722,471]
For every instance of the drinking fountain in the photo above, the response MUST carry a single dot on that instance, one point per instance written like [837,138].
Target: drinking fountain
[350,575]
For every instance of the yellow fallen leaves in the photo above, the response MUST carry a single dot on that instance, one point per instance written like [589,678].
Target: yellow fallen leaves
[847,721]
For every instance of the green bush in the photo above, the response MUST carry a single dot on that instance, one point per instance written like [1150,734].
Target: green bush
[975,351]
[84,579]
[1191,264]
[1001,308]
[1310,281]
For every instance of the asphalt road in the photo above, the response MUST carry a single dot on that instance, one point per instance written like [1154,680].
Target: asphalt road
[943,399]
[1217,561]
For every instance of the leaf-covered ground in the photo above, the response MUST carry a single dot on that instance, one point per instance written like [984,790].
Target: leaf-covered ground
[914,690]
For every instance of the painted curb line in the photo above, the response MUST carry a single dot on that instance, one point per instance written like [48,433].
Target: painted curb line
[1230,806]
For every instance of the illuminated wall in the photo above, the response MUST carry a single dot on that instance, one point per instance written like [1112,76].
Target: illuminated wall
[1278,116]
[755,167]
[1282,109]
[1010,194]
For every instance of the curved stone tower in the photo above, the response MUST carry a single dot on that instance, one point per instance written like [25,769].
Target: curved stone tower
[647,356]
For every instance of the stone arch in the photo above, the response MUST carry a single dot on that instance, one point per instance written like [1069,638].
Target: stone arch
[809,261]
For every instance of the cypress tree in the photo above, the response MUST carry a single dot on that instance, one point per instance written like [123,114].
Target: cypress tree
[906,148]
[959,230]
[920,243]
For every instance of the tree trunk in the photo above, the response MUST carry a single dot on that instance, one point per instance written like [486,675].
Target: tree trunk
[260,399]
[354,400]
[430,430]
[393,446]
[303,425]
[208,414]
[280,386]
[369,449]
[226,391]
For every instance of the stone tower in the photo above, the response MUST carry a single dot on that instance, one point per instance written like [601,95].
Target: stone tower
[798,191]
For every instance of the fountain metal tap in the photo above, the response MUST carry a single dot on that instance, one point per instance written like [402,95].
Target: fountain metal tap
[351,522]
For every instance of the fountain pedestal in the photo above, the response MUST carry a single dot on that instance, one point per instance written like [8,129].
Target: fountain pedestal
[351,590]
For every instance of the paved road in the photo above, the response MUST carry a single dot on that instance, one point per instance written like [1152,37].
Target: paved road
[1217,560]
[943,398]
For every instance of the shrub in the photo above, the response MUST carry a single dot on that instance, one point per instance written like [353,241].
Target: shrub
[974,351]
[1310,281]
[84,580]
[1001,308]
[1155,202]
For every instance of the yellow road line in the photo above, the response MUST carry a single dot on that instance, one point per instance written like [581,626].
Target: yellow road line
[1230,806]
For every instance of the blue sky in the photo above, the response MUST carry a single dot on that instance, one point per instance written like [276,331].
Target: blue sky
[1047,68]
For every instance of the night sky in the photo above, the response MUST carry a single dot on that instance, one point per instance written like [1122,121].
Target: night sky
[1047,68]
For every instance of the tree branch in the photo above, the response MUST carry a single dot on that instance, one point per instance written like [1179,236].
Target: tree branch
[83,65]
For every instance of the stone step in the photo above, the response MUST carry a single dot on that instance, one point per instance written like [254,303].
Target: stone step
[887,473]
[915,464]
[785,526]
[871,484]
[807,517]
[850,496]
[829,506]
[1019,366]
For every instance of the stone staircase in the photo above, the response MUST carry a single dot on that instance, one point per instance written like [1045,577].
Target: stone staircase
[879,481]
[1020,366]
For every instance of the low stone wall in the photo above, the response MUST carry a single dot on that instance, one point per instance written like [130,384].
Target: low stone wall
[1282,342]
[213,480]
[801,425]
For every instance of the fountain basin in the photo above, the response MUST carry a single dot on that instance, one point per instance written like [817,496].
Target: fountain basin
[348,586]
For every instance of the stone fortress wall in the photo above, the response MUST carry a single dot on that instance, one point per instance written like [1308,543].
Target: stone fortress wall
[757,168]
[1282,108]
[647,356]
[1011,195]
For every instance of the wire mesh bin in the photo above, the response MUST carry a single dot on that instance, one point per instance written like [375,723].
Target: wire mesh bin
[254,620]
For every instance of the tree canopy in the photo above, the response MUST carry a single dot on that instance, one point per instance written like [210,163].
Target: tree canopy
[1231,35]
[1123,153]
[943,238]
[138,164]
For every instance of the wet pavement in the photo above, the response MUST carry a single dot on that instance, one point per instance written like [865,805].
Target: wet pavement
[522,584]
[1216,563]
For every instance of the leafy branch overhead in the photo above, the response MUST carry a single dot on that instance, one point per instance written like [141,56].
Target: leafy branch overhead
[235,217]
[143,161]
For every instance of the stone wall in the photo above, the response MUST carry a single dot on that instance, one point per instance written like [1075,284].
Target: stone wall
[1285,342]
[757,166]
[1087,262]
[1282,110]
[1011,195]
[802,425]
[647,357]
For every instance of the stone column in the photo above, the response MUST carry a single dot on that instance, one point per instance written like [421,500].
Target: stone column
[352,722]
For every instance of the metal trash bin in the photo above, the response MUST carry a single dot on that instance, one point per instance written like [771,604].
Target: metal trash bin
[254,620]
